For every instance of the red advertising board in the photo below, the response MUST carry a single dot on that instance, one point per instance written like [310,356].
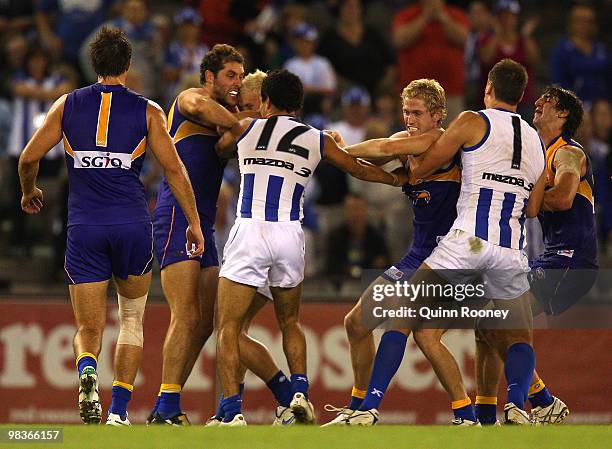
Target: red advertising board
[38,378]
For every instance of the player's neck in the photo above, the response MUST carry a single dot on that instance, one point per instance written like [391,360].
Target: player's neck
[274,111]
[496,104]
[113,80]
[548,133]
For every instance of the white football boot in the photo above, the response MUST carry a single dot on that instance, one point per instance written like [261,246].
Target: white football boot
[90,408]
[555,413]
[213,421]
[116,420]
[461,422]
[284,416]
[360,418]
[238,421]
[342,414]
[515,415]
[302,409]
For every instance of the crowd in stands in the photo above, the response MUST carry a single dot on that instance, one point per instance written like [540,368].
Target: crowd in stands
[353,56]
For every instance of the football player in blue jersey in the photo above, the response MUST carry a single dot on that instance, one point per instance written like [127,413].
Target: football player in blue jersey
[106,129]
[433,201]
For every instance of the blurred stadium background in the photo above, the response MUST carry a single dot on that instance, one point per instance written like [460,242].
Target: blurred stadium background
[353,56]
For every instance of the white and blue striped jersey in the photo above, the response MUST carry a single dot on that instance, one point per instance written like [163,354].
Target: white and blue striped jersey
[277,158]
[28,115]
[497,177]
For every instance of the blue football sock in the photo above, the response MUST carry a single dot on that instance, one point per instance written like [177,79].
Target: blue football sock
[169,404]
[156,406]
[86,359]
[486,409]
[121,396]
[299,384]
[281,389]
[356,398]
[240,389]
[219,412]
[231,407]
[465,412]
[518,369]
[542,398]
[388,359]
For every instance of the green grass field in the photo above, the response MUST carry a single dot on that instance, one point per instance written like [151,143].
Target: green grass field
[380,437]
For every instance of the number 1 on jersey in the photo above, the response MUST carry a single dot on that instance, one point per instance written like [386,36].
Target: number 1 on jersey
[103,118]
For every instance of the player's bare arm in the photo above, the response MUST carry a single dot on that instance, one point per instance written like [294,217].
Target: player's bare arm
[358,168]
[466,130]
[395,146]
[204,110]
[570,165]
[164,150]
[43,140]
[227,144]
[536,197]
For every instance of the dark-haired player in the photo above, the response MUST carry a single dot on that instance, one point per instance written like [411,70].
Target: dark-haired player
[190,284]
[277,156]
[106,129]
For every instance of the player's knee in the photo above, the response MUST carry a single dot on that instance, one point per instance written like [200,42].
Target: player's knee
[352,325]
[131,314]
[93,329]
[426,338]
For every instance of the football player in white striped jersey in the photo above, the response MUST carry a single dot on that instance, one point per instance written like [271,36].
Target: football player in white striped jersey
[277,157]
[503,182]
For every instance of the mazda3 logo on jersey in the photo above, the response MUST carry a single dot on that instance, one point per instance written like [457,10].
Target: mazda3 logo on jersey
[268,161]
[507,179]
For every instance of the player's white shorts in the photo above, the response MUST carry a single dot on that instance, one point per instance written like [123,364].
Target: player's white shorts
[261,253]
[503,270]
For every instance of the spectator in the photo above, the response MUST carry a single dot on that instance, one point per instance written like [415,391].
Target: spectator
[355,111]
[33,94]
[184,55]
[351,43]
[224,20]
[74,21]
[315,71]
[578,62]
[16,16]
[601,122]
[429,38]
[480,25]
[147,51]
[507,41]
[355,245]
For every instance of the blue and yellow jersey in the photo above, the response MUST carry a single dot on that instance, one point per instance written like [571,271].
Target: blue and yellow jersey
[571,232]
[195,145]
[434,205]
[105,137]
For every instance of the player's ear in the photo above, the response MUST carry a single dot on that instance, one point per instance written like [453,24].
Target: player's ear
[562,113]
[209,76]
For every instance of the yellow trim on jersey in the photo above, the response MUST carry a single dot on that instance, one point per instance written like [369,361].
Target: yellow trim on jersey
[584,188]
[168,241]
[140,149]
[103,119]
[586,191]
[117,383]
[188,128]
[454,174]
[67,147]
[171,115]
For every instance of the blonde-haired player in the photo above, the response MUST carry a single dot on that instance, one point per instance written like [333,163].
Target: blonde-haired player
[433,201]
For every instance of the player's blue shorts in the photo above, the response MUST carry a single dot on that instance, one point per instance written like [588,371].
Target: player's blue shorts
[95,253]
[558,281]
[169,226]
[404,269]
